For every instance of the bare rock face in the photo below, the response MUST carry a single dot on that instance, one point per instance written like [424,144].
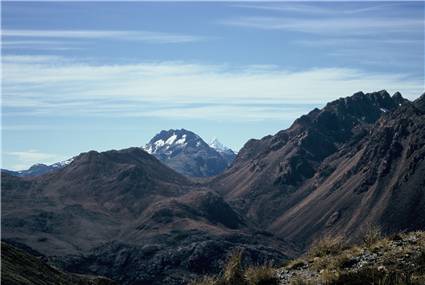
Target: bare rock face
[335,169]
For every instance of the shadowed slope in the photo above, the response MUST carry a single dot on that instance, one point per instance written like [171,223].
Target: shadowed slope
[125,215]
[323,173]
[20,268]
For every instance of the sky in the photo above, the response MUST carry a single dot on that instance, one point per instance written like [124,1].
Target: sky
[110,75]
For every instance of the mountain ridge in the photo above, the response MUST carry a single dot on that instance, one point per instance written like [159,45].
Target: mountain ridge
[127,203]
[272,179]
[38,169]
[357,161]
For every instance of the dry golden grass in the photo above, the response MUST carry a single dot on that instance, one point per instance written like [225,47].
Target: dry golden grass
[296,264]
[327,245]
[398,260]
[235,274]
[372,235]
[233,271]
[261,275]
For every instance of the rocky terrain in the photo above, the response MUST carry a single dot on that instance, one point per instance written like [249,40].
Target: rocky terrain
[125,215]
[129,216]
[357,161]
[188,154]
[397,259]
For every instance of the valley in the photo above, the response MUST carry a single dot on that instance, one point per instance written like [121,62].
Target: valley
[176,209]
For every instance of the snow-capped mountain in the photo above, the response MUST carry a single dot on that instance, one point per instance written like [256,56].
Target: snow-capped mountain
[228,154]
[187,153]
[39,169]
[217,145]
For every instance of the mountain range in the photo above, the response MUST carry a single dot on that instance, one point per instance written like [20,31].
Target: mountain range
[130,216]
[182,150]
[125,215]
[39,169]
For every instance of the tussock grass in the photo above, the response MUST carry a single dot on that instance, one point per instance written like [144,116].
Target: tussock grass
[234,273]
[372,235]
[328,245]
[261,275]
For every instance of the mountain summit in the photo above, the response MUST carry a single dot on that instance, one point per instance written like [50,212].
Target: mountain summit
[228,154]
[357,161]
[187,153]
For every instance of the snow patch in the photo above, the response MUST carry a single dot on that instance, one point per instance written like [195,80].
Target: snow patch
[62,164]
[148,149]
[159,143]
[182,140]
[217,145]
[171,139]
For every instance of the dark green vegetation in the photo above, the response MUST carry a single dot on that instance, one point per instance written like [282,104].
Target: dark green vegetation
[21,268]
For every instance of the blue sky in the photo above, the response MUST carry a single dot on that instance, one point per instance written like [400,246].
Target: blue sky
[81,76]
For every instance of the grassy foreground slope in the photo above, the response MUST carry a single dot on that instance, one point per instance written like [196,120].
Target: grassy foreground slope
[395,260]
[21,268]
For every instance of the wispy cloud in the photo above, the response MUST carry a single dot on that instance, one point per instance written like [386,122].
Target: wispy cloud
[31,59]
[330,26]
[30,157]
[41,45]
[332,42]
[57,86]
[315,9]
[140,36]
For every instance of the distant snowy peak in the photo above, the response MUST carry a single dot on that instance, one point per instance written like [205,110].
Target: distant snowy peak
[189,154]
[166,142]
[62,164]
[218,146]
[227,153]
[40,169]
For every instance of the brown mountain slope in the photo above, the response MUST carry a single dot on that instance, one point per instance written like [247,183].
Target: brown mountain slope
[379,180]
[124,215]
[314,177]
[22,268]
[85,203]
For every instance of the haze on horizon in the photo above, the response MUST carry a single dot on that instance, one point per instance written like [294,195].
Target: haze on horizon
[81,76]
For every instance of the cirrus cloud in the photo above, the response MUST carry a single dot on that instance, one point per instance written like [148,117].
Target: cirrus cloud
[51,86]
